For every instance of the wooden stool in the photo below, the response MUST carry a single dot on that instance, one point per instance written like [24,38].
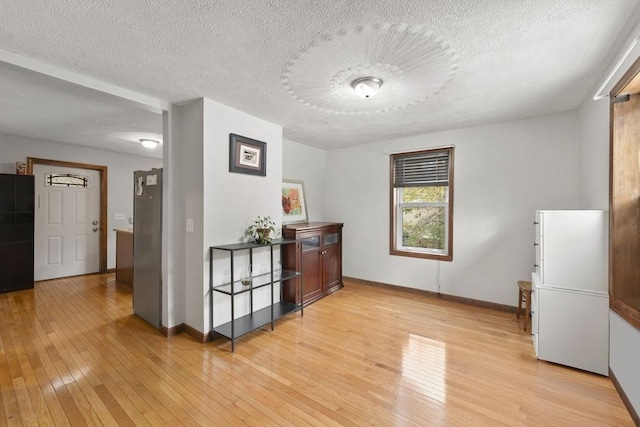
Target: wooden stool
[524,295]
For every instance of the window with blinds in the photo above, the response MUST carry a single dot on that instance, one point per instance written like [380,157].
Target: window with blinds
[422,204]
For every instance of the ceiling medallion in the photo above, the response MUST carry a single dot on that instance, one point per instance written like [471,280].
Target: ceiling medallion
[405,63]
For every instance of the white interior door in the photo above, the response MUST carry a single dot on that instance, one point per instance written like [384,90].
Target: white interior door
[67,238]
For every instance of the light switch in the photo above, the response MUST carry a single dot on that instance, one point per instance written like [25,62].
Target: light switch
[190,225]
[119,217]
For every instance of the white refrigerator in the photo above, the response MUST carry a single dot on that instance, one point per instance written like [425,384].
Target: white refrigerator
[570,300]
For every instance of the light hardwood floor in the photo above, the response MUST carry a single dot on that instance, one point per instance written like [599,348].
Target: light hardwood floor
[72,353]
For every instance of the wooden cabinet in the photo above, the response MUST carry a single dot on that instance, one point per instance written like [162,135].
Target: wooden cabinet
[320,260]
[124,256]
[16,232]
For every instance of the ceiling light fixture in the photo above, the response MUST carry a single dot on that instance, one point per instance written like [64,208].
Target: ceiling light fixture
[366,87]
[149,143]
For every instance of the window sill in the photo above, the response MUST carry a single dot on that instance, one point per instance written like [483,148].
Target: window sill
[424,255]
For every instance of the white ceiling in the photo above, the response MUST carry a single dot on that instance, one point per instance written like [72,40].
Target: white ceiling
[516,58]
[41,107]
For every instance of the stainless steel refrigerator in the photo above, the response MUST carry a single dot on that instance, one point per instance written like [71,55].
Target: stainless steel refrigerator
[147,246]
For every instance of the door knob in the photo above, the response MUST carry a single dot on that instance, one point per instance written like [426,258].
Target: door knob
[94,222]
[95,229]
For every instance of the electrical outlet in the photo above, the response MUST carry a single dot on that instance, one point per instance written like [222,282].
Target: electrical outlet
[119,217]
[190,225]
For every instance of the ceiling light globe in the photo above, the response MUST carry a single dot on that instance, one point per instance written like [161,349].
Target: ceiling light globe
[149,143]
[366,87]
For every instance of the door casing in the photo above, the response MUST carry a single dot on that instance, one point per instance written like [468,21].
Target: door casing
[102,263]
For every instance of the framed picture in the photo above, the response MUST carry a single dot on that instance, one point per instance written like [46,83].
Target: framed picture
[294,205]
[247,155]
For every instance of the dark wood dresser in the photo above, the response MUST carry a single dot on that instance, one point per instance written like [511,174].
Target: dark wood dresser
[320,260]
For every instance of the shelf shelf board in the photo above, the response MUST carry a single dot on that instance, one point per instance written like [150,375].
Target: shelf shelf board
[257,282]
[251,245]
[249,323]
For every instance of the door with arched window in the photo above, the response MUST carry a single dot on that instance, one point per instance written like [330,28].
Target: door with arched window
[67,237]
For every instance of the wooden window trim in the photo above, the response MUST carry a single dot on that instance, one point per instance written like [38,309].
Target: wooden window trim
[393,220]
[628,313]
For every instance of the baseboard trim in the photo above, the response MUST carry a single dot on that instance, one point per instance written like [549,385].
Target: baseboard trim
[195,334]
[189,330]
[625,399]
[174,330]
[431,294]
[109,270]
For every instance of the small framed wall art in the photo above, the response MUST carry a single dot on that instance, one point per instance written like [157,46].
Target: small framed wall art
[294,205]
[247,155]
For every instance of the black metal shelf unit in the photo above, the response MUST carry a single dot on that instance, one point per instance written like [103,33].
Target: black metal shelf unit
[236,328]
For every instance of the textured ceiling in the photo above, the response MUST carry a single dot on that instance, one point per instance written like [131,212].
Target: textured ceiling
[41,107]
[516,58]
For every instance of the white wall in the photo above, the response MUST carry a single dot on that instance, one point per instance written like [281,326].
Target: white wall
[223,204]
[308,164]
[503,173]
[593,164]
[624,357]
[192,167]
[173,219]
[120,173]
[593,154]
[232,200]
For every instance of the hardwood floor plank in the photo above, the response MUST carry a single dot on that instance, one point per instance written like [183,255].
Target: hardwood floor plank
[27,414]
[29,364]
[119,415]
[72,353]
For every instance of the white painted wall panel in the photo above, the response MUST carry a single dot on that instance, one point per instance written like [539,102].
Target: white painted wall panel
[503,173]
[232,201]
[624,358]
[193,164]
[223,204]
[593,154]
[308,164]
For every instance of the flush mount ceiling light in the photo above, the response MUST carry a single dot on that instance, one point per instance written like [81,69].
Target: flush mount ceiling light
[366,87]
[413,64]
[149,143]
